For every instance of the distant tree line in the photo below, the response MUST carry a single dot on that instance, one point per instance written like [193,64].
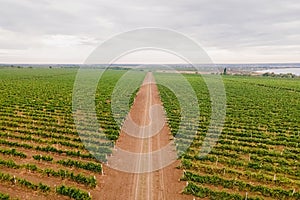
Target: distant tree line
[272,74]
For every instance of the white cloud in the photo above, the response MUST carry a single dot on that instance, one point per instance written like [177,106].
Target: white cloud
[230,30]
[67,40]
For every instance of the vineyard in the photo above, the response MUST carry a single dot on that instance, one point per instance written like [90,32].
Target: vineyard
[41,153]
[257,156]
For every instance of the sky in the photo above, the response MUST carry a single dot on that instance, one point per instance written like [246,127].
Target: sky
[230,31]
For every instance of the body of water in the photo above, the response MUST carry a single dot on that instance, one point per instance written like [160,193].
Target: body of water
[295,71]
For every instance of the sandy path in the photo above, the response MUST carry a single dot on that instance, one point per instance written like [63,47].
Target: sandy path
[159,184]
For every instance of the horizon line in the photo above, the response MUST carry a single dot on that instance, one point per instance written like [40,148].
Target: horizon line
[246,63]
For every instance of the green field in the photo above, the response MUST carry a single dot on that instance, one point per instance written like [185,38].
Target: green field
[38,137]
[257,155]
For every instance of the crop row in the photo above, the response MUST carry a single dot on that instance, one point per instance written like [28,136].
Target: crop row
[83,165]
[63,190]
[74,193]
[4,196]
[79,178]
[203,192]
[13,152]
[52,149]
[276,193]
[254,165]
[23,182]
[251,176]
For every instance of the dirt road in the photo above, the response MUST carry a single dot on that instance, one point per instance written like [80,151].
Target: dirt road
[145,172]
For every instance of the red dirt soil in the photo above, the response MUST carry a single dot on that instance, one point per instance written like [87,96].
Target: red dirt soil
[157,185]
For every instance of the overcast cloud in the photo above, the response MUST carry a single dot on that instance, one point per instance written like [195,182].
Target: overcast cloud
[231,31]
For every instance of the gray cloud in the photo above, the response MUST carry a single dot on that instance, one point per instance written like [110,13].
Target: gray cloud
[229,26]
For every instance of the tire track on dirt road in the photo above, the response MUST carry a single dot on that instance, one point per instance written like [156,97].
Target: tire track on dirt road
[147,185]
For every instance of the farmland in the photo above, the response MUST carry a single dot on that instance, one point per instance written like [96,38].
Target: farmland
[42,156]
[257,154]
